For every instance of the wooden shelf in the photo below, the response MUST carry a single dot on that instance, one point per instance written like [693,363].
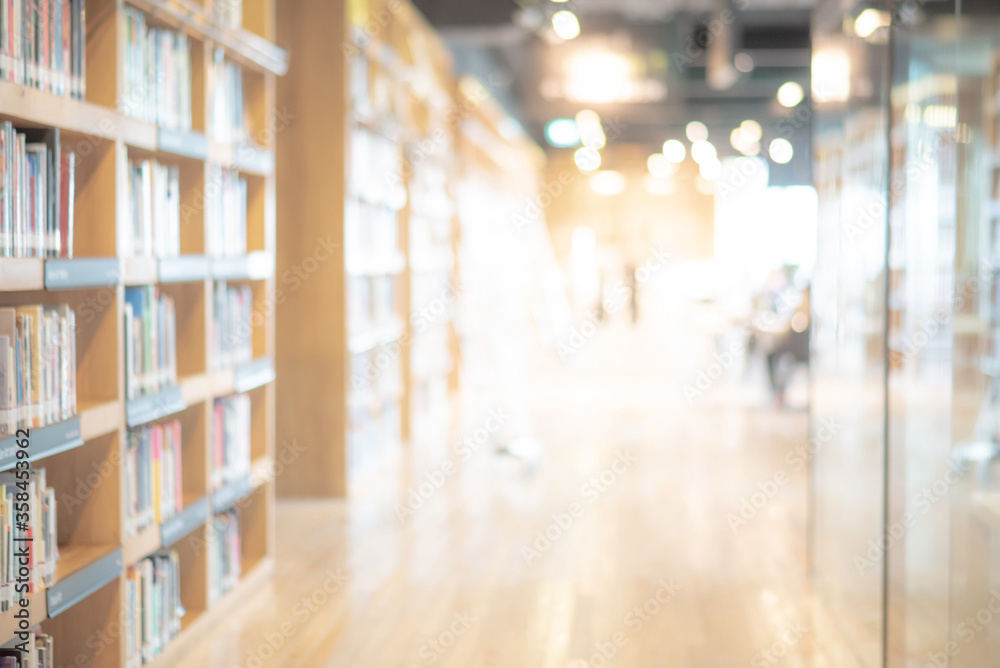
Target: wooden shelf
[241,45]
[141,545]
[95,553]
[37,612]
[21,274]
[80,571]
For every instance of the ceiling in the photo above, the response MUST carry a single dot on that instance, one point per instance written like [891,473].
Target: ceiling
[679,54]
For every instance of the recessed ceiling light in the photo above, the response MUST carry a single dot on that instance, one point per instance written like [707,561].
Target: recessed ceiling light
[781,151]
[674,150]
[562,133]
[790,94]
[566,24]
[587,159]
[696,131]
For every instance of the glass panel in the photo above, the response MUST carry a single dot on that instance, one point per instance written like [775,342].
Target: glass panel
[850,88]
[975,499]
[920,298]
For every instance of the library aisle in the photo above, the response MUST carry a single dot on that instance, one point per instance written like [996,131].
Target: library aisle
[644,555]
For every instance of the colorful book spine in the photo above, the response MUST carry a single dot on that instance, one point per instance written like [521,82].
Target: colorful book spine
[230,440]
[232,325]
[150,341]
[36,193]
[153,489]
[157,85]
[154,208]
[154,607]
[225,557]
[43,45]
[226,213]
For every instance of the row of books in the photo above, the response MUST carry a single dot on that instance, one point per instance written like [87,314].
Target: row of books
[229,124]
[37,193]
[38,651]
[376,169]
[226,213]
[43,44]
[154,608]
[372,302]
[371,231]
[37,366]
[38,534]
[230,440]
[225,555]
[150,341]
[157,74]
[153,492]
[154,207]
[232,325]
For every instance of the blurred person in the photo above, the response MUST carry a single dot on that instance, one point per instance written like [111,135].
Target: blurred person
[790,348]
[633,288]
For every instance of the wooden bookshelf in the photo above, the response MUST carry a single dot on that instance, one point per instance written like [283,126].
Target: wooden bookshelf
[84,608]
[355,382]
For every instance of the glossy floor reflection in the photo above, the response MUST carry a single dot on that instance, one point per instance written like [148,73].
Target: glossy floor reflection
[619,550]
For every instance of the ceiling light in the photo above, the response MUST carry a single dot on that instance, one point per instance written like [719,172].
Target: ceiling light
[752,149]
[736,139]
[751,131]
[587,159]
[674,150]
[608,183]
[562,133]
[696,131]
[781,151]
[659,166]
[790,94]
[703,151]
[566,24]
[869,21]
[743,62]
[831,76]
[591,130]
[599,77]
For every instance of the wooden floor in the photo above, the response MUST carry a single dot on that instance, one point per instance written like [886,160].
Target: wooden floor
[642,565]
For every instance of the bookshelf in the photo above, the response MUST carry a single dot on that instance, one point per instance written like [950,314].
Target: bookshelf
[373,146]
[87,458]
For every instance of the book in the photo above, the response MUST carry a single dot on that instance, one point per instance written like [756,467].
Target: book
[228,119]
[38,363]
[150,341]
[231,338]
[157,75]
[41,529]
[154,208]
[43,45]
[225,557]
[153,490]
[230,440]
[229,13]
[36,193]
[153,606]
[226,213]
